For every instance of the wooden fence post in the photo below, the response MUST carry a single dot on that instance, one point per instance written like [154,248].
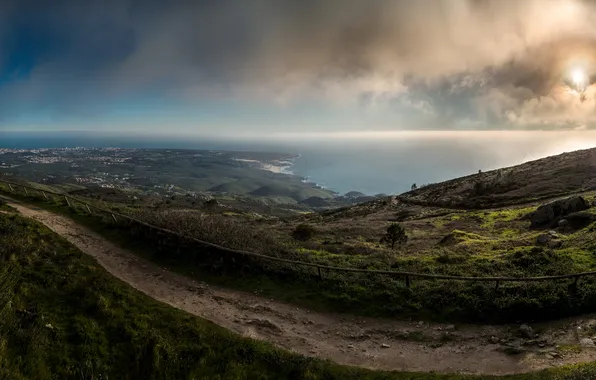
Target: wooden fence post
[67,201]
[320,275]
[408,282]
[497,285]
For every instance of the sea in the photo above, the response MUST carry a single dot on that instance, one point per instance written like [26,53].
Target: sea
[375,163]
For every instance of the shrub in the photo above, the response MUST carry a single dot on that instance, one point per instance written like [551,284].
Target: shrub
[303,232]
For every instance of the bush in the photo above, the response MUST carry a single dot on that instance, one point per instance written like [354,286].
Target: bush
[304,232]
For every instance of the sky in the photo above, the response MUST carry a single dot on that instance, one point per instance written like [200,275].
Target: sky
[257,67]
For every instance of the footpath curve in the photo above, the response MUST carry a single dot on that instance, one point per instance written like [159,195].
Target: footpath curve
[366,342]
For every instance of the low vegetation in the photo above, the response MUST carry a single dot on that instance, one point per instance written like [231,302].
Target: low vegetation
[4,207]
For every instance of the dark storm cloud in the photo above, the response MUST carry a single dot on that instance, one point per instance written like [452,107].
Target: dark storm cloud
[477,63]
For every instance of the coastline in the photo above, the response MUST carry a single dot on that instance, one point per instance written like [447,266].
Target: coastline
[284,166]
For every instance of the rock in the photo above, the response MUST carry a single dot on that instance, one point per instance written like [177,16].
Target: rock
[549,213]
[586,342]
[351,346]
[549,239]
[563,223]
[526,331]
[265,323]
[494,339]
[385,345]
[449,328]
[548,356]
[513,350]
[543,239]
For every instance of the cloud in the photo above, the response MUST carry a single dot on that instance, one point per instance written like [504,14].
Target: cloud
[451,64]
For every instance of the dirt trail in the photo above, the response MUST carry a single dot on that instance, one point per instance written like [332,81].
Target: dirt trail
[366,342]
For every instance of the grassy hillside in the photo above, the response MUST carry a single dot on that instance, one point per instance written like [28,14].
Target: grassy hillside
[544,178]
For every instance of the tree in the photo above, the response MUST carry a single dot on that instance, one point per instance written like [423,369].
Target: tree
[303,232]
[395,234]
[414,187]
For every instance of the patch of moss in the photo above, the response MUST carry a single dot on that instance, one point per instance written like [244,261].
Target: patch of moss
[489,219]
[457,237]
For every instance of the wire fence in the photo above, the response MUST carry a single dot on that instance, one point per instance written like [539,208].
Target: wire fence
[71,201]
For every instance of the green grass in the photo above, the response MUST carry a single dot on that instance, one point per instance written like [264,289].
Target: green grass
[6,208]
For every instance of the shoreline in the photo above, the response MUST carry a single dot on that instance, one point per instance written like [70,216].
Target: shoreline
[284,166]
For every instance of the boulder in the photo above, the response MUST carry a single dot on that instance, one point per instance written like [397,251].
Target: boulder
[563,223]
[526,331]
[552,212]
[586,342]
[543,239]
[549,239]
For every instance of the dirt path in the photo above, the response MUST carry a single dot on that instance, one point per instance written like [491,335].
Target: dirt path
[366,342]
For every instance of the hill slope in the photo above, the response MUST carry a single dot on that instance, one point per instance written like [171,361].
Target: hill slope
[544,178]
[63,316]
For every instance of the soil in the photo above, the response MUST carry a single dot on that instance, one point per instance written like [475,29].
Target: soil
[371,343]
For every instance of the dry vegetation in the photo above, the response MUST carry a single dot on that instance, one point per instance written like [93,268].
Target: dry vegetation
[545,178]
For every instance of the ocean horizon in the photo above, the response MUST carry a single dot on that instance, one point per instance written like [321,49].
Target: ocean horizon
[371,166]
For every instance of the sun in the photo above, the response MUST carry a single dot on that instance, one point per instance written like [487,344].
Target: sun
[578,77]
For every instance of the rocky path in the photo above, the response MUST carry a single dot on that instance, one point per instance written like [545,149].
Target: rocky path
[366,342]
